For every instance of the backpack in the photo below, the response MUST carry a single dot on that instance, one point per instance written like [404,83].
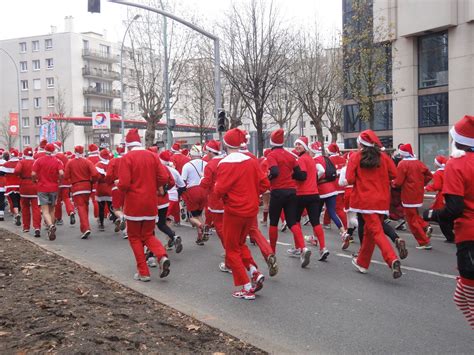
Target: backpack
[331,172]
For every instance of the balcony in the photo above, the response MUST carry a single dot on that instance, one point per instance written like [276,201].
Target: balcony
[89,109]
[107,94]
[96,55]
[95,73]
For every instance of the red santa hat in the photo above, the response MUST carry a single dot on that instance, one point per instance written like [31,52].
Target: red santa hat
[303,140]
[165,155]
[68,154]
[13,152]
[176,147]
[316,147]
[440,161]
[43,143]
[28,152]
[120,149]
[195,151]
[213,146]
[49,148]
[234,138]
[133,138]
[368,138]
[153,149]
[93,148]
[463,131]
[277,138]
[20,155]
[406,150]
[79,150]
[266,152]
[58,145]
[243,148]
[104,154]
[333,148]
[184,151]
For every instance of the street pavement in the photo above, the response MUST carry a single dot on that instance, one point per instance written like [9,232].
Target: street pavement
[326,308]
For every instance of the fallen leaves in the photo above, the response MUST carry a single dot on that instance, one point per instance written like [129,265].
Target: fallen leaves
[191,327]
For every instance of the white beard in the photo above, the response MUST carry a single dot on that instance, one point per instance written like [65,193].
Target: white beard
[455,152]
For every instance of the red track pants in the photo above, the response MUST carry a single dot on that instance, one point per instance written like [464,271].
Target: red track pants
[237,255]
[141,234]
[217,219]
[416,225]
[63,196]
[173,210]
[29,206]
[260,240]
[95,205]
[339,211]
[81,202]
[374,235]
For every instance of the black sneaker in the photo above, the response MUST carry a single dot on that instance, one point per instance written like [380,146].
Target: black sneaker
[164,267]
[86,234]
[396,269]
[59,222]
[272,265]
[18,220]
[72,218]
[122,224]
[52,232]
[101,227]
[178,245]
[117,223]
[37,233]
[401,247]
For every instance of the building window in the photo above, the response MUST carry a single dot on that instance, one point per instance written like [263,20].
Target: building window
[37,84]
[85,44]
[433,60]
[38,121]
[23,66]
[24,85]
[26,140]
[37,139]
[22,47]
[50,101]
[37,102]
[433,110]
[351,143]
[35,46]
[36,65]
[49,63]
[24,104]
[50,83]
[26,122]
[383,118]
[104,50]
[431,145]
[48,43]
[132,106]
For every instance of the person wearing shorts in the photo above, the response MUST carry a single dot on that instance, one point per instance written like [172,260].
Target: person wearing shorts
[47,172]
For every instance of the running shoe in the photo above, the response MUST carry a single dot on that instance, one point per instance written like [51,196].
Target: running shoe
[17,220]
[401,226]
[124,235]
[178,245]
[59,222]
[37,233]
[326,226]
[164,267]
[244,294]
[272,265]
[257,281]
[359,268]
[284,227]
[117,224]
[86,234]
[139,277]
[101,227]
[305,257]
[26,230]
[429,231]
[52,232]
[311,240]
[401,247]
[323,254]
[293,252]
[346,241]
[305,220]
[151,262]
[424,247]
[396,269]
[224,268]
[72,218]
[122,223]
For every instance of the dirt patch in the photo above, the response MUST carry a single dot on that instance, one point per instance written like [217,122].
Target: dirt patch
[50,304]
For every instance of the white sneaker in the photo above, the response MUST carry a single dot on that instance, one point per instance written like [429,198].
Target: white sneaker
[139,277]
[224,268]
[323,254]
[124,235]
[305,220]
[311,240]
[293,252]
[283,227]
[424,247]
[152,262]
[164,267]
[326,226]
[361,269]
[305,257]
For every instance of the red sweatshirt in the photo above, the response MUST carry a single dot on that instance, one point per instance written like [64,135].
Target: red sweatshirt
[140,175]
[286,162]
[112,171]
[310,185]
[412,176]
[12,181]
[103,188]
[179,160]
[23,171]
[214,203]
[239,182]
[437,186]
[81,173]
[64,160]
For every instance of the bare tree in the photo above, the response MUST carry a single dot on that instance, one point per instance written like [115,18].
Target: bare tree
[7,140]
[255,45]
[64,128]
[334,122]
[147,62]
[281,107]
[315,78]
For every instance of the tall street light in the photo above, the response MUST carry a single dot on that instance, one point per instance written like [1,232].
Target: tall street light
[19,98]
[122,123]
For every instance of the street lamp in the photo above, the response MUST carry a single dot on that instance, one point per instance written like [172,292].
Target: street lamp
[19,98]
[122,123]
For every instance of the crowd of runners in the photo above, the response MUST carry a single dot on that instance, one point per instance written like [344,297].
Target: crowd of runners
[218,187]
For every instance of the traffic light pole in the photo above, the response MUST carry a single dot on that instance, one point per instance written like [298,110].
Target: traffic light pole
[217,76]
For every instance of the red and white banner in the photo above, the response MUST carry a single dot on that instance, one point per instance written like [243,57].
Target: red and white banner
[14,128]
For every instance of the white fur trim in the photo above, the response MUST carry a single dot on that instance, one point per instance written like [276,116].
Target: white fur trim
[81,192]
[272,143]
[133,144]
[64,186]
[114,188]
[368,211]
[100,170]
[28,196]
[412,205]
[103,198]
[363,142]
[234,158]
[27,157]
[163,205]
[215,211]
[334,193]
[461,139]
[2,189]
[302,143]
[140,218]
[437,163]
[12,186]
[212,150]
[230,146]
[7,170]
[405,154]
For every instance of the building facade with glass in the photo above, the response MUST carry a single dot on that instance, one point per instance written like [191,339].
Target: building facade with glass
[432,67]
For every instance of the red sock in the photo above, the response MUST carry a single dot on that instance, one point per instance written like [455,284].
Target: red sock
[273,233]
[298,236]
[319,233]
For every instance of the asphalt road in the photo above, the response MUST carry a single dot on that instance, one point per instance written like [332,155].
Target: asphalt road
[327,308]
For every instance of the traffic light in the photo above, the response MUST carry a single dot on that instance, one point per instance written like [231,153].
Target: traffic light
[93,6]
[221,122]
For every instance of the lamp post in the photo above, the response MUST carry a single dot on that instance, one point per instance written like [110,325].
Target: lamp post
[19,98]
[122,123]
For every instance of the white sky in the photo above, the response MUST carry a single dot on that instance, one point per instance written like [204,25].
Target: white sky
[22,18]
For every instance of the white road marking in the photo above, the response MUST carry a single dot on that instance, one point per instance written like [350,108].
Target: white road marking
[448,276]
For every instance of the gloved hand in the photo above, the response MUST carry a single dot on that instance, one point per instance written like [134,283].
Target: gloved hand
[427,215]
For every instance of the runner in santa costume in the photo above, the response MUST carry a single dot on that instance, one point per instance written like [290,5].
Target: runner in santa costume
[412,176]
[458,191]
[178,159]
[339,162]
[141,175]
[82,174]
[111,177]
[266,195]
[307,193]
[239,183]
[29,198]
[12,184]
[103,188]
[175,192]
[370,172]
[352,222]
[93,157]
[40,149]
[284,170]
[2,186]
[64,191]
[195,196]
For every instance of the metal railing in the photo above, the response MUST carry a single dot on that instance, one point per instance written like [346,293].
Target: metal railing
[99,55]
[102,93]
[89,109]
[99,73]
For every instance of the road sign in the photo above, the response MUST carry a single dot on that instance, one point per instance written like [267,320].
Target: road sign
[100,120]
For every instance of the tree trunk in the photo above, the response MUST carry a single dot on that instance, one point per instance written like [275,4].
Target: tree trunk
[260,137]
[319,132]
[150,131]
[334,132]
